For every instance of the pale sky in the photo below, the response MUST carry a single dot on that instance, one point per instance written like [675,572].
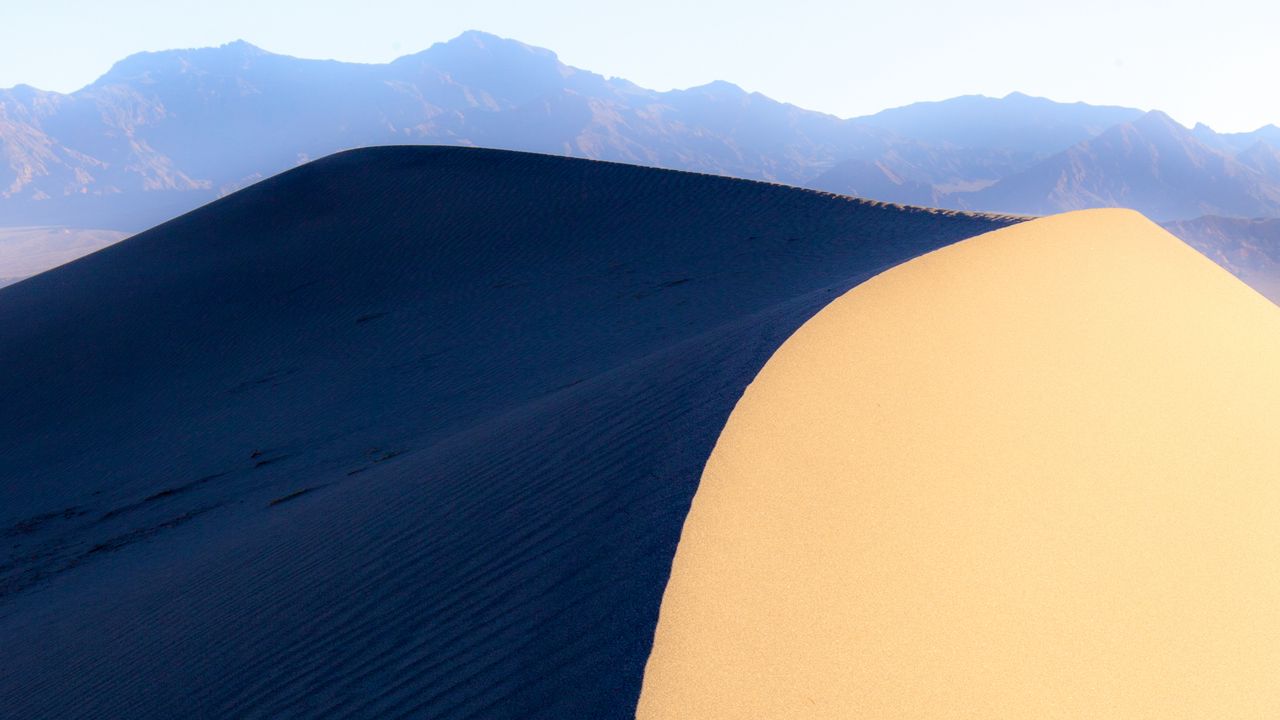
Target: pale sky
[1197,61]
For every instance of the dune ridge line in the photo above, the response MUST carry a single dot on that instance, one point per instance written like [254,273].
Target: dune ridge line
[1029,475]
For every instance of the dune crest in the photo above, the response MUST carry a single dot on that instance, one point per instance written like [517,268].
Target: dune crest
[1031,474]
[403,432]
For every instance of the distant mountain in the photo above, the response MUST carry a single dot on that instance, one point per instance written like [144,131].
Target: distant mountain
[966,143]
[1151,164]
[1262,157]
[869,179]
[1249,248]
[1236,142]
[164,132]
[1032,127]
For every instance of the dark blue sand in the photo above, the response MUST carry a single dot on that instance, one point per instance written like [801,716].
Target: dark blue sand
[405,432]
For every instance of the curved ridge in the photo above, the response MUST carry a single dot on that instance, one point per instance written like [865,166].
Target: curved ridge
[405,431]
[1027,475]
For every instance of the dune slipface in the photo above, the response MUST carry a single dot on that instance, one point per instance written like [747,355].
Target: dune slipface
[405,432]
[1029,475]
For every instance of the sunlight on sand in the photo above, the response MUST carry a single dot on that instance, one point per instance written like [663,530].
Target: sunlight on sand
[1028,475]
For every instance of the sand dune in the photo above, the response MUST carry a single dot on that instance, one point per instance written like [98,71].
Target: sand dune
[407,432]
[1029,475]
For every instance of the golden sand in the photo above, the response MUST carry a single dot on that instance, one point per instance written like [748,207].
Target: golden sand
[1035,474]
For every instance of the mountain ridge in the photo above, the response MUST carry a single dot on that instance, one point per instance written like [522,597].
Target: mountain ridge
[1151,164]
[173,129]
[161,133]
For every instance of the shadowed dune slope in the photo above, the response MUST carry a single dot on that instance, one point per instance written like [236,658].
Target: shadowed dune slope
[1030,475]
[402,432]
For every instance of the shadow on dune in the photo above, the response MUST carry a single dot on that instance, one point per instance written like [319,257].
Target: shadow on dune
[405,431]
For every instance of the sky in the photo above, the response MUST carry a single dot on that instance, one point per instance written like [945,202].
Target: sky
[1200,63]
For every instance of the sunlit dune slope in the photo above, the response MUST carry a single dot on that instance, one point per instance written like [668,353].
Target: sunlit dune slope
[404,432]
[1029,475]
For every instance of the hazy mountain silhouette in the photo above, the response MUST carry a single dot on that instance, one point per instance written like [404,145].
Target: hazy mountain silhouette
[1232,143]
[1263,157]
[972,141]
[1153,165]
[1030,126]
[1249,248]
[870,179]
[163,132]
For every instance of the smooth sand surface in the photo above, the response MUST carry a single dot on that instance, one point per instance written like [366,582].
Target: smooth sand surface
[1030,475]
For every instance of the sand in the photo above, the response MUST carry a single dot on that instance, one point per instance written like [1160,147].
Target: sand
[405,432]
[1029,475]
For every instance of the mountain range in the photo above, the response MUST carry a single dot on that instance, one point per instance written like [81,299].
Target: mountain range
[1248,248]
[164,132]
[1151,163]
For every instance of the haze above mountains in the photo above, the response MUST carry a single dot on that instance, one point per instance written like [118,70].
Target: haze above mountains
[162,133]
